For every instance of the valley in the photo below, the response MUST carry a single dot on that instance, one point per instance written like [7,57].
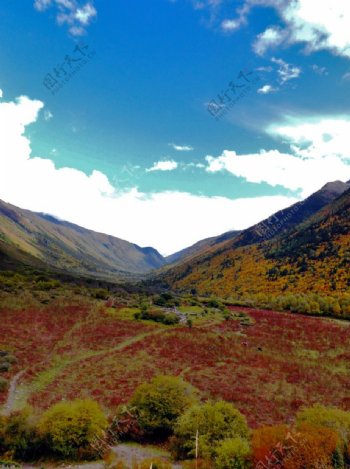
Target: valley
[256,322]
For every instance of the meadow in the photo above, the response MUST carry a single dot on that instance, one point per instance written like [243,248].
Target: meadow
[268,364]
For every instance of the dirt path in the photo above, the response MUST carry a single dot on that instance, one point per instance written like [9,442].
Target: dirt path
[128,453]
[44,378]
[12,394]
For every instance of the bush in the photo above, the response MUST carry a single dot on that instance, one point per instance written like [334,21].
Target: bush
[3,384]
[159,403]
[166,299]
[266,439]
[315,447]
[19,437]
[233,453]
[10,464]
[100,294]
[214,422]
[69,428]
[157,316]
[330,417]
[4,366]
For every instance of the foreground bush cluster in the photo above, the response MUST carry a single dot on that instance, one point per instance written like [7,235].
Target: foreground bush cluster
[169,410]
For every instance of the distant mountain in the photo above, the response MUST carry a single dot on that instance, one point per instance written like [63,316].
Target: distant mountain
[276,224]
[307,250]
[40,239]
[200,246]
[285,219]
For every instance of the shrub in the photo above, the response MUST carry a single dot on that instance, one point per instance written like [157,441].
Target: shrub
[265,440]
[159,403]
[197,464]
[214,422]
[10,359]
[315,447]
[157,316]
[69,428]
[330,417]
[3,384]
[100,294]
[4,366]
[166,299]
[10,464]
[233,453]
[19,437]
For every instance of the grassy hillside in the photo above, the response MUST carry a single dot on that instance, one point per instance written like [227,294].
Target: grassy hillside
[65,246]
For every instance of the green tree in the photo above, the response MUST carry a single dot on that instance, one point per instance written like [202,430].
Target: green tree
[69,428]
[233,453]
[159,403]
[214,421]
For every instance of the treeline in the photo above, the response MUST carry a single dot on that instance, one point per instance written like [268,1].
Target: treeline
[207,435]
[306,303]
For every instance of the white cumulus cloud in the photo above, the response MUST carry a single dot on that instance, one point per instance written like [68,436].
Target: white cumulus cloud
[320,25]
[168,165]
[266,89]
[319,153]
[271,37]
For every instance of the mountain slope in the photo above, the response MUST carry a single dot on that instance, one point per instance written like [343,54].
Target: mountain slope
[285,219]
[200,246]
[313,255]
[277,223]
[65,246]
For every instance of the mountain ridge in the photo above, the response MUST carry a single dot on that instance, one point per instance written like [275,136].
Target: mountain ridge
[255,263]
[66,246]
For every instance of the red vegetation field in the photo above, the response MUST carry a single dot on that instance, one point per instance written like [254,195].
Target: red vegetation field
[268,369]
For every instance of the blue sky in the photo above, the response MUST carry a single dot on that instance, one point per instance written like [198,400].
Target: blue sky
[145,141]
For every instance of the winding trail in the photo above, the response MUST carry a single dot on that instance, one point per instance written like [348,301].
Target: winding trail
[17,396]
[12,394]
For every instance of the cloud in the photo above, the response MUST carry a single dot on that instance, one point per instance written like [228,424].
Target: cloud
[1,94]
[166,165]
[316,139]
[286,71]
[85,14]
[346,76]
[271,37]
[319,70]
[168,220]
[321,26]
[71,13]
[266,89]
[319,153]
[230,25]
[42,5]
[265,69]
[48,115]
[181,147]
